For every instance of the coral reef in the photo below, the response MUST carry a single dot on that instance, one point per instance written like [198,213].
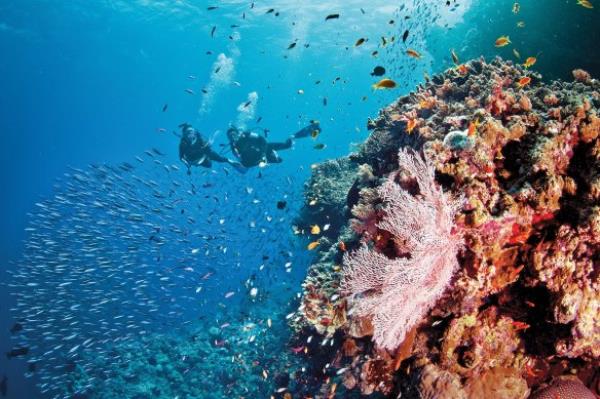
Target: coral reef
[516,305]
[326,192]
[237,360]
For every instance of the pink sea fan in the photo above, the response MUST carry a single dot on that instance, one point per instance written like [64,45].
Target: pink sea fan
[397,293]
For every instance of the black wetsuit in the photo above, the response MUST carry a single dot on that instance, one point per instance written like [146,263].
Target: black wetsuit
[198,153]
[252,149]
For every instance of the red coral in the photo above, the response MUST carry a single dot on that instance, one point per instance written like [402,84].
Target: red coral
[497,104]
[567,389]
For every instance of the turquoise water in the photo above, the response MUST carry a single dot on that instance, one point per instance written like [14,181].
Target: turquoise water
[86,83]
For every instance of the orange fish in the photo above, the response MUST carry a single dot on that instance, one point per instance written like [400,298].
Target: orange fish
[413,53]
[342,246]
[427,104]
[503,41]
[519,325]
[410,125]
[462,69]
[473,128]
[384,84]
[524,81]
[313,245]
[529,62]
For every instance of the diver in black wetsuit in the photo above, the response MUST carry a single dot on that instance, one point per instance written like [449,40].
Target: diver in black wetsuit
[195,151]
[253,149]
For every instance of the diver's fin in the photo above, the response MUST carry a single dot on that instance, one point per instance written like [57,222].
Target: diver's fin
[307,131]
[239,167]
[201,160]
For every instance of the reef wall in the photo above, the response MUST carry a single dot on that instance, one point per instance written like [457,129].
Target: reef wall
[463,258]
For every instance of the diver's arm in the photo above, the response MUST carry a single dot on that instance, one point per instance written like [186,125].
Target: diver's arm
[213,156]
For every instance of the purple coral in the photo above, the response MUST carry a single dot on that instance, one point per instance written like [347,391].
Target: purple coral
[396,293]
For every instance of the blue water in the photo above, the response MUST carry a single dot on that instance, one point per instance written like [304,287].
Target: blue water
[85,83]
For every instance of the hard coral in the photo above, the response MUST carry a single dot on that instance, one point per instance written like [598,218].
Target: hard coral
[564,389]
[528,276]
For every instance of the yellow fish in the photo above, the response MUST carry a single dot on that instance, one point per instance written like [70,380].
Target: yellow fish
[585,4]
[503,41]
[315,229]
[413,53]
[384,84]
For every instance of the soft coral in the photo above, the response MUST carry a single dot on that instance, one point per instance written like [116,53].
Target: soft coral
[396,293]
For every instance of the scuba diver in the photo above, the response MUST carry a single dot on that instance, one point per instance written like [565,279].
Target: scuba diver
[195,151]
[253,149]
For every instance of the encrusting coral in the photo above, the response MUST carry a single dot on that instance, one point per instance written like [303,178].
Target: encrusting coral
[495,295]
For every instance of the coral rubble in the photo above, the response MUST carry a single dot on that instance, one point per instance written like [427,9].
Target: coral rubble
[519,307]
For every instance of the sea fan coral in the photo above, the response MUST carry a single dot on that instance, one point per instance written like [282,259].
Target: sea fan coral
[396,293]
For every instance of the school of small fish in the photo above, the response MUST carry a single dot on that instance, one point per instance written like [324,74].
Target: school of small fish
[122,252]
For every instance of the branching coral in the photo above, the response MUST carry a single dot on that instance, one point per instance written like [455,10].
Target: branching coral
[396,293]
